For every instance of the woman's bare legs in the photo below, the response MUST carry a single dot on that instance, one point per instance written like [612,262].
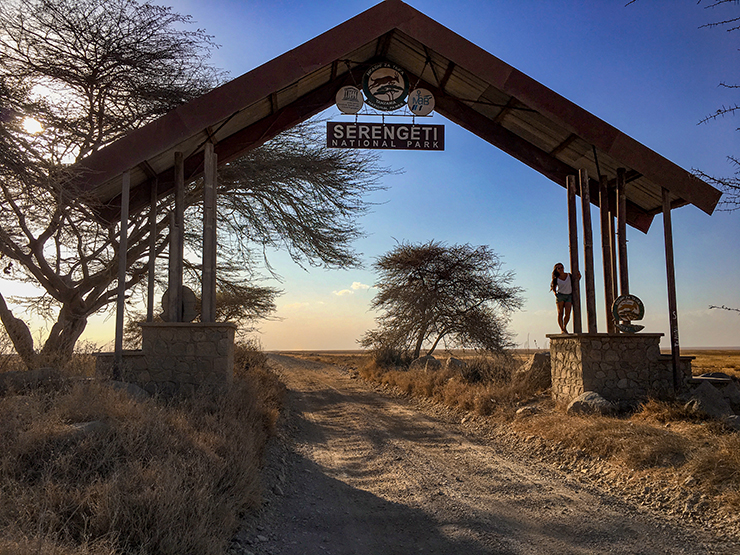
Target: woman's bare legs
[566,316]
[561,316]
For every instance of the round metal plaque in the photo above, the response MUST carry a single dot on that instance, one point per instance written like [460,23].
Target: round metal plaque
[625,309]
[421,102]
[349,100]
[189,305]
[385,86]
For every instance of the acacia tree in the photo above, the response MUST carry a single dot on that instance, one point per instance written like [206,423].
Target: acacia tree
[729,185]
[432,292]
[90,71]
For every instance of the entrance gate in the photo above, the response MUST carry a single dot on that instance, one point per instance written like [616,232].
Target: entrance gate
[628,182]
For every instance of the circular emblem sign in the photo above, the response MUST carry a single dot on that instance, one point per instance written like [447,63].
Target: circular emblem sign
[349,100]
[625,309]
[385,86]
[421,102]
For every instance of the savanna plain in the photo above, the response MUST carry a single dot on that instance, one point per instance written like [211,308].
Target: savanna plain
[338,452]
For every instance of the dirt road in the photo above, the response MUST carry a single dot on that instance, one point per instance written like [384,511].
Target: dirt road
[360,472]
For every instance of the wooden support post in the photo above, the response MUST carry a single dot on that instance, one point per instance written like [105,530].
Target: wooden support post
[671,275]
[152,252]
[208,304]
[613,248]
[588,251]
[122,267]
[177,232]
[624,282]
[573,250]
[606,253]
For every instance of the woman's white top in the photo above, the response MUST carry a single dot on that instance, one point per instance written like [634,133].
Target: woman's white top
[564,286]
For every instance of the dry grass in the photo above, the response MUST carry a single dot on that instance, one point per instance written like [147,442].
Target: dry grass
[715,361]
[484,388]
[147,477]
[661,440]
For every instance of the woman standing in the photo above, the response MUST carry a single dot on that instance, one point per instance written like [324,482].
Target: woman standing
[562,286]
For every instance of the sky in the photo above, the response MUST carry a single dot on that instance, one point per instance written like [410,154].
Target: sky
[648,69]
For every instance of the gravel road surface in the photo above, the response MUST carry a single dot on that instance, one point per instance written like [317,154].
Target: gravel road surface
[357,471]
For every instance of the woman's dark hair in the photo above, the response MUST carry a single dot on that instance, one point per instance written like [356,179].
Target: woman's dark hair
[555,276]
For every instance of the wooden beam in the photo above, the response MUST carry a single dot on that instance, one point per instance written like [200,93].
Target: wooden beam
[510,105]
[177,242]
[573,251]
[519,148]
[672,304]
[613,250]
[151,272]
[208,297]
[588,251]
[334,70]
[230,148]
[624,281]
[148,170]
[122,267]
[384,43]
[606,252]
[446,77]
[565,144]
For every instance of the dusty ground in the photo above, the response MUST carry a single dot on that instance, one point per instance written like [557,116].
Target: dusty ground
[358,471]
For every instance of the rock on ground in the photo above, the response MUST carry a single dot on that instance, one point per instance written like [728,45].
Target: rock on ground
[709,400]
[426,364]
[591,402]
[535,371]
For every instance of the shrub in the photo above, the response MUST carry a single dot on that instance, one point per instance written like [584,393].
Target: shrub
[390,357]
[483,387]
[493,369]
[249,355]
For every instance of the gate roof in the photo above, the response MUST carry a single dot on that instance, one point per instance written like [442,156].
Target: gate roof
[471,87]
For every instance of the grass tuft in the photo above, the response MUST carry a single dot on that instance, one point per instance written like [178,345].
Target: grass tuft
[86,469]
[484,387]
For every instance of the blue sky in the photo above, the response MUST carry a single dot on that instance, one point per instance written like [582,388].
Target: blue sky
[648,69]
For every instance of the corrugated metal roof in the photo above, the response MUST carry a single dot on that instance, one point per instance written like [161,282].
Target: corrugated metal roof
[471,87]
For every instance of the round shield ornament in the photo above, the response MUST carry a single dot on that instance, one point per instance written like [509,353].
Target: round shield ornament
[385,86]
[421,102]
[625,309]
[189,307]
[349,100]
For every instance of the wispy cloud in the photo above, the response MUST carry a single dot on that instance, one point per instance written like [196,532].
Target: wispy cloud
[357,285]
[343,292]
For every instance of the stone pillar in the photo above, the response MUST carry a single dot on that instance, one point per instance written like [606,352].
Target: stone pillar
[626,368]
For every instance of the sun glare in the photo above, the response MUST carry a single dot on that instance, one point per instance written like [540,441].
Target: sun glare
[32,126]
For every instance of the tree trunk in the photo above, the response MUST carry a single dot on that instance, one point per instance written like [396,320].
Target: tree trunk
[19,334]
[64,334]
[435,344]
[419,341]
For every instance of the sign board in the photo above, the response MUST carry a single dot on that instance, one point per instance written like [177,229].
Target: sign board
[390,136]
[625,309]
[385,86]
[349,100]
[421,102]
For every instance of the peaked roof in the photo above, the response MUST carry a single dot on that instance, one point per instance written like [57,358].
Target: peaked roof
[471,87]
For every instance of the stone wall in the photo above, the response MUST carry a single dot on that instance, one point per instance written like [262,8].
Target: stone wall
[620,367]
[179,358]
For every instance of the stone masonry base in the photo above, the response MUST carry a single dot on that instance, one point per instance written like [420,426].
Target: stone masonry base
[179,358]
[623,368]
